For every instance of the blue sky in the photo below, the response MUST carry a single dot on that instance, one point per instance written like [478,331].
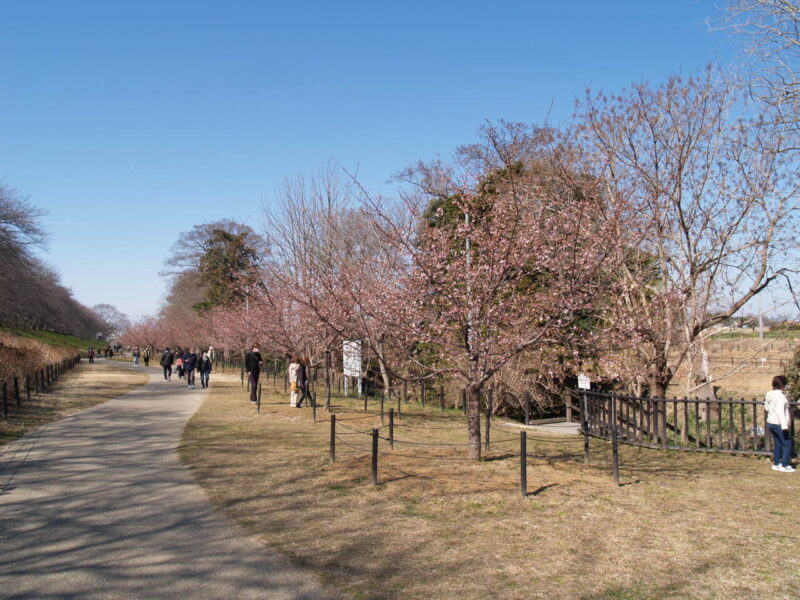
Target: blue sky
[131,122]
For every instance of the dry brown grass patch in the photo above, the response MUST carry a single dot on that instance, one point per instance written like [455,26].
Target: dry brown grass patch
[681,526]
[84,386]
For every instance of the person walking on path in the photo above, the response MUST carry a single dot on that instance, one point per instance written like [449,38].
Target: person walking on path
[252,365]
[777,407]
[146,357]
[303,377]
[189,366]
[90,353]
[296,376]
[205,369]
[136,356]
[166,362]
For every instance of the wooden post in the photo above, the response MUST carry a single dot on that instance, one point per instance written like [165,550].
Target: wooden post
[374,469]
[441,396]
[423,392]
[523,463]
[398,404]
[5,400]
[405,392]
[391,428]
[28,387]
[614,440]
[365,403]
[332,446]
[568,404]
[16,391]
[258,399]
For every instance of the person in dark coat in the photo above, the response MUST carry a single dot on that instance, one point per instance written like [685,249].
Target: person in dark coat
[302,381]
[252,365]
[166,361]
[205,369]
[189,366]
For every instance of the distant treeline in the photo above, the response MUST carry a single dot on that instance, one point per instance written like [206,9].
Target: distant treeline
[31,293]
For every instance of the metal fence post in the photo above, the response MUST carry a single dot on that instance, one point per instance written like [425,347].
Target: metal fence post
[382,399]
[258,400]
[523,463]
[585,427]
[374,466]
[16,391]
[489,403]
[614,440]
[314,406]
[5,400]
[332,446]
[391,428]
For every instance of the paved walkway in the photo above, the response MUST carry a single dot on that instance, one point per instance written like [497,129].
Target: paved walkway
[97,505]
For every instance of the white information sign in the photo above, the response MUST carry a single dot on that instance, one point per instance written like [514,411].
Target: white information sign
[352,358]
[584,383]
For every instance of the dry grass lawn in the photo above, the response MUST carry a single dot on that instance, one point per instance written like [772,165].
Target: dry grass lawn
[439,527]
[84,386]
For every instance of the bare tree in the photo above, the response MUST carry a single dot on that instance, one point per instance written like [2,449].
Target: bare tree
[770,30]
[714,214]
[113,321]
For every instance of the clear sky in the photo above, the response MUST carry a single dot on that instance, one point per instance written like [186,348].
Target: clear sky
[129,122]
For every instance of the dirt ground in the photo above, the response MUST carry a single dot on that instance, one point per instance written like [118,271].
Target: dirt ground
[84,386]
[437,526]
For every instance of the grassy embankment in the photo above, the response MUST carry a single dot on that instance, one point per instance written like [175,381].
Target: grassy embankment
[682,526]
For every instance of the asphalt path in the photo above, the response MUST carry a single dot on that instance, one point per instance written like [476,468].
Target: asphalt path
[97,505]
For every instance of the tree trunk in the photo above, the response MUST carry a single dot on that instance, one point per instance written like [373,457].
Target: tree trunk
[474,421]
[328,380]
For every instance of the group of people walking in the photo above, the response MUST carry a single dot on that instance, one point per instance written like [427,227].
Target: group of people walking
[144,354]
[298,377]
[188,362]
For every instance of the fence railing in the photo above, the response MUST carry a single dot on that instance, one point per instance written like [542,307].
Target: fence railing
[735,426]
[34,383]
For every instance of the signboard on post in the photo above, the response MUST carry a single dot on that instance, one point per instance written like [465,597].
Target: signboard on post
[351,358]
[584,383]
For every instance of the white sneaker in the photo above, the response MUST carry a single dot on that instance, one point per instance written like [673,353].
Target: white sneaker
[789,469]
[777,468]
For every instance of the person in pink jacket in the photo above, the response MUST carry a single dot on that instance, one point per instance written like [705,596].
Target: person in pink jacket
[777,406]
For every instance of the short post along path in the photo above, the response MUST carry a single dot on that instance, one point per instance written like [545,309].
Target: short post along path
[97,505]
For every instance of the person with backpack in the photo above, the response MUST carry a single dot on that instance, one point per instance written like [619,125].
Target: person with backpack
[777,406]
[166,362]
[252,365]
[205,369]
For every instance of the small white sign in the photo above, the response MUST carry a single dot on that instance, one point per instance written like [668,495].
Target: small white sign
[584,383]
[352,358]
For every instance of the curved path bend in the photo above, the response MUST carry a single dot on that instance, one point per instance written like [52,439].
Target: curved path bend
[97,505]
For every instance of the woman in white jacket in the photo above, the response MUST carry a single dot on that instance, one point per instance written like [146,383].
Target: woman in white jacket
[294,384]
[777,407]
